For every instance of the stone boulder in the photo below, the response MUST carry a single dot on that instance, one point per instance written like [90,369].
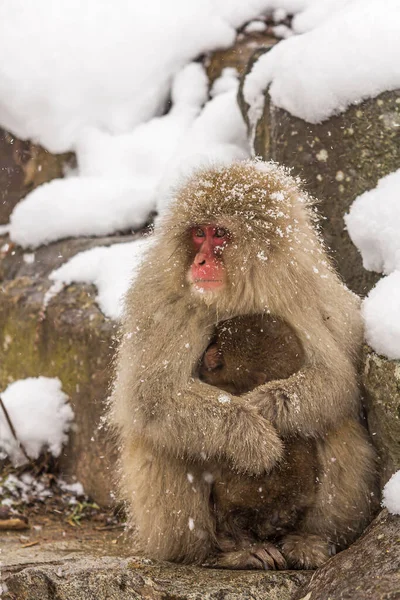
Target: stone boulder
[72,340]
[338,160]
[24,166]
[238,55]
[368,570]
[134,578]
[381,380]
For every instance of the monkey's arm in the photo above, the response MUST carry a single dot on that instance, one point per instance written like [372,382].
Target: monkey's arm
[201,422]
[313,400]
[157,398]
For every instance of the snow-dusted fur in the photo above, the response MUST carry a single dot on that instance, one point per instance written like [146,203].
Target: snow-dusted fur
[173,428]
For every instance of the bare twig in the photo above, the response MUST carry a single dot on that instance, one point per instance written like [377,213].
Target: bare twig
[11,426]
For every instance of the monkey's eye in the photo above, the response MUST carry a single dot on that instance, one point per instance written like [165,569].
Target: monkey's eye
[220,232]
[199,232]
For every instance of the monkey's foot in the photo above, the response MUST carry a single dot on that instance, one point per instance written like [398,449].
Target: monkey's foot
[305,550]
[261,556]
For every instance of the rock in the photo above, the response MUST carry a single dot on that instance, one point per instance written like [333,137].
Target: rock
[368,570]
[71,340]
[338,159]
[381,380]
[92,564]
[238,55]
[24,166]
[134,578]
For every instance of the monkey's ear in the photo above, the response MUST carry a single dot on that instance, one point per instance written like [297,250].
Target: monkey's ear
[259,378]
[212,358]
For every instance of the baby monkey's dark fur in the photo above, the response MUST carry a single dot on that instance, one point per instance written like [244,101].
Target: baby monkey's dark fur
[246,352]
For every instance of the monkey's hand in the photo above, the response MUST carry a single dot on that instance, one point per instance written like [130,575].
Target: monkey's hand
[273,399]
[202,423]
[309,402]
[255,446]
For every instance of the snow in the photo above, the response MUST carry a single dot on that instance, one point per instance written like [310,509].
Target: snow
[110,269]
[41,417]
[381,314]
[79,206]
[344,55]
[256,27]
[104,65]
[25,488]
[218,135]
[122,179]
[373,224]
[391,494]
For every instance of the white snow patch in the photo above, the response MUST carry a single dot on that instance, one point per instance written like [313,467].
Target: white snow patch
[106,65]
[40,414]
[110,269]
[124,178]
[381,313]
[73,488]
[344,56]
[391,494]
[373,224]
[255,27]
[218,135]
[224,399]
[79,206]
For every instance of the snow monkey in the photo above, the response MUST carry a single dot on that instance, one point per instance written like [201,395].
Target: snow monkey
[248,351]
[240,241]
[238,360]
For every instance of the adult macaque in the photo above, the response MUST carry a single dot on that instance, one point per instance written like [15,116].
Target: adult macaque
[239,241]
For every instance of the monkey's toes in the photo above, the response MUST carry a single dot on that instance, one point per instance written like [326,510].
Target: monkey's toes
[264,556]
[305,551]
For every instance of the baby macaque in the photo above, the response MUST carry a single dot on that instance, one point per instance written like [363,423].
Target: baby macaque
[248,351]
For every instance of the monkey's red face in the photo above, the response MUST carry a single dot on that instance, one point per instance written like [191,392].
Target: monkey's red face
[207,272]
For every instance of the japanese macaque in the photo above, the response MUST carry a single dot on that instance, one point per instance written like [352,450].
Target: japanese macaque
[287,462]
[248,351]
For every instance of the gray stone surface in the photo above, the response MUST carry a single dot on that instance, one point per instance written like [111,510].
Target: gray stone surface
[238,55]
[71,340]
[87,563]
[368,570]
[381,379]
[134,578]
[24,166]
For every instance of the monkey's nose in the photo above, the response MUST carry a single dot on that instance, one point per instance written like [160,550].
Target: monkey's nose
[200,260]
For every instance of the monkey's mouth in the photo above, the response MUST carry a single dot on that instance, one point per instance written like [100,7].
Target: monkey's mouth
[207,285]
[208,281]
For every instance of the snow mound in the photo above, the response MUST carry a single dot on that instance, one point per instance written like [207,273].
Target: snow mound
[41,417]
[218,135]
[123,178]
[391,494]
[373,224]
[110,269]
[381,313]
[79,206]
[104,65]
[344,56]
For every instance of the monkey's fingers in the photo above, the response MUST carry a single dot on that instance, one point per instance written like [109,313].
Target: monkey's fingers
[264,556]
[270,557]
